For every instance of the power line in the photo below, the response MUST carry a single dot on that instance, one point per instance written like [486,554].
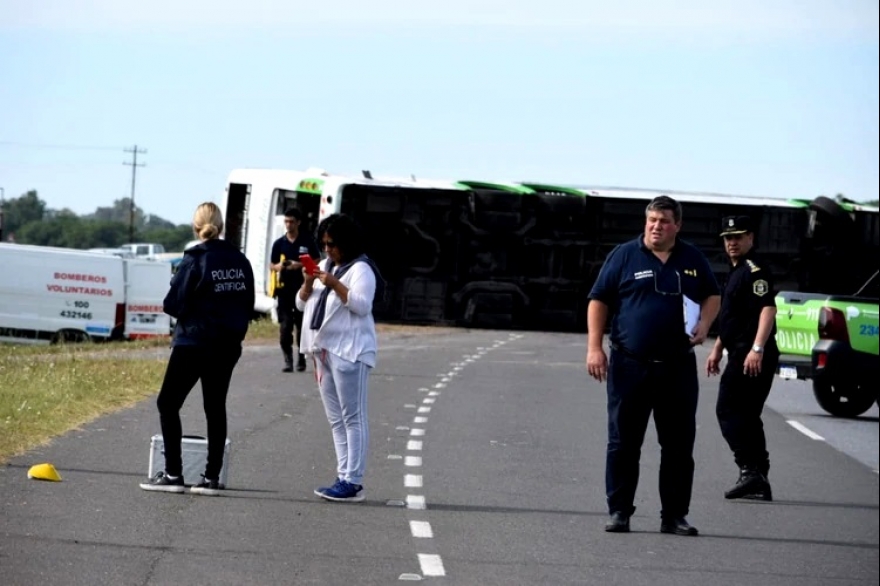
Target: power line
[64,147]
[134,165]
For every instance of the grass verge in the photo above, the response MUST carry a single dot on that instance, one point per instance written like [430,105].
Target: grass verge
[42,396]
[46,391]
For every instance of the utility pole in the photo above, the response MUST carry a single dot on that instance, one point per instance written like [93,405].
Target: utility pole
[134,165]
[2,200]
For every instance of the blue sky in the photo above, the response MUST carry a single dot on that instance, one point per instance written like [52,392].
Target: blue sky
[776,98]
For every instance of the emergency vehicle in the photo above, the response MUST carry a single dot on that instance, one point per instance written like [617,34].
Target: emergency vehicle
[50,295]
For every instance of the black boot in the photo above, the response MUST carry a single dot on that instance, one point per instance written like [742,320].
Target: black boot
[750,482]
[301,363]
[288,362]
[765,494]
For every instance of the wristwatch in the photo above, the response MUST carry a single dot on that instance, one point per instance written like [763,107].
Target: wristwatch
[758,349]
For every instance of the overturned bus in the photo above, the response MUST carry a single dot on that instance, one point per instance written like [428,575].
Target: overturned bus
[522,255]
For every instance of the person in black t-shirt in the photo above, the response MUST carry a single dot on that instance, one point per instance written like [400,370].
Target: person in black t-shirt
[746,329]
[285,262]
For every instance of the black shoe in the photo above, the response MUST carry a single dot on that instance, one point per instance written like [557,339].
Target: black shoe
[618,523]
[678,526]
[765,494]
[287,368]
[288,362]
[301,363]
[162,482]
[750,481]
[207,487]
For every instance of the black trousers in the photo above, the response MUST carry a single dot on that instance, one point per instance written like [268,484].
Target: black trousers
[636,389]
[740,403]
[290,321]
[187,365]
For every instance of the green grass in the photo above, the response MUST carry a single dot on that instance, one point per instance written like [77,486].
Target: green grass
[43,396]
[46,391]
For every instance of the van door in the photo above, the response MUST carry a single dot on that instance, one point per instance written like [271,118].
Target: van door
[146,284]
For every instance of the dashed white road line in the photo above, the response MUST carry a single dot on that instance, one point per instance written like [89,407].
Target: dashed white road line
[805,430]
[421,529]
[431,565]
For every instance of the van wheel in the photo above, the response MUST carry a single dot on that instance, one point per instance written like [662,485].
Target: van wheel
[842,400]
[70,337]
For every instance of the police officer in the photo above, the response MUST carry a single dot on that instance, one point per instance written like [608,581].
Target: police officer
[212,297]
[645,284]
[284,261]
[746,329]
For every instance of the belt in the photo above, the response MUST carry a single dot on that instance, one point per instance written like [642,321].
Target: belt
[651,359]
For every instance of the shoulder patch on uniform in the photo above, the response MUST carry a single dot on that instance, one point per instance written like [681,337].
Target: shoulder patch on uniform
[753,267]
[760,287]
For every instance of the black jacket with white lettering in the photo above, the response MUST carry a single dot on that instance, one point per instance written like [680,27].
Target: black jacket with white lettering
[211,295]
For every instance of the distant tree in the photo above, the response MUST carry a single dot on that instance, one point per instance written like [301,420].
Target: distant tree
[173,238]
[19,211]
[120,211]
[71,231]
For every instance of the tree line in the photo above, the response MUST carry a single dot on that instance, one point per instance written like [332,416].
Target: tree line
[28,220]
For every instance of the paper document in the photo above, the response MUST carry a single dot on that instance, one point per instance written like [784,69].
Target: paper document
[691,315]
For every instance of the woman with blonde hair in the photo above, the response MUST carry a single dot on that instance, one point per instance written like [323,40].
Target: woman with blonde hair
[212,298]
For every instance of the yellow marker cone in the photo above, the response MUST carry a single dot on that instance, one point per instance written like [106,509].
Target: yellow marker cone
[44,472]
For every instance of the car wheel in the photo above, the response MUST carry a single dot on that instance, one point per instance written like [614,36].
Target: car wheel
[842,400]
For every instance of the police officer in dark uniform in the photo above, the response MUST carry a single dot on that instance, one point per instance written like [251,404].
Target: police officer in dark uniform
[645,285]
[284,260]
[212,297]
[746,329]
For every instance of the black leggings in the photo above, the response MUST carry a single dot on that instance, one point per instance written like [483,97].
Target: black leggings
[187,365]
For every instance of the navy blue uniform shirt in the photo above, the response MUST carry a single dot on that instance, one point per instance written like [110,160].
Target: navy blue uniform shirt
[644,296]
[749,290]
[292,280]
[211,295]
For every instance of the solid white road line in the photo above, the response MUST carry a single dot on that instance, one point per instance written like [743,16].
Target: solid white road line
[805,430]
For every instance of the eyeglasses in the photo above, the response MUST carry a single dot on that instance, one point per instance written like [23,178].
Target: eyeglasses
[328,244]
[665,292]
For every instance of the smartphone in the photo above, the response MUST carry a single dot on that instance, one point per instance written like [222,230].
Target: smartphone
[309,263]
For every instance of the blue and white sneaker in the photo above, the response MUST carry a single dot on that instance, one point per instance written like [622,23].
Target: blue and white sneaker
[162,482]
[342,491]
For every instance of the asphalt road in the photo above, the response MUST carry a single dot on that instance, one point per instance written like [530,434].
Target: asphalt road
[486,468]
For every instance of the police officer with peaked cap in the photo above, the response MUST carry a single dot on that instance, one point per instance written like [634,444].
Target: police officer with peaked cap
[746,329]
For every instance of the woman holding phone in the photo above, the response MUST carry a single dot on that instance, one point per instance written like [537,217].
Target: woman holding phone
[340,335]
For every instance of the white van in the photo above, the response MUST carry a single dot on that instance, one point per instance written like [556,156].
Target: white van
[52,294]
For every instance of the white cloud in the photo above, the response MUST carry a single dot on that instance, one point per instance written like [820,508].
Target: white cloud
[736,16]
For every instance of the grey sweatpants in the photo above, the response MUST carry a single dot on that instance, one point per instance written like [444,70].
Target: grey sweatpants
[343,387]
